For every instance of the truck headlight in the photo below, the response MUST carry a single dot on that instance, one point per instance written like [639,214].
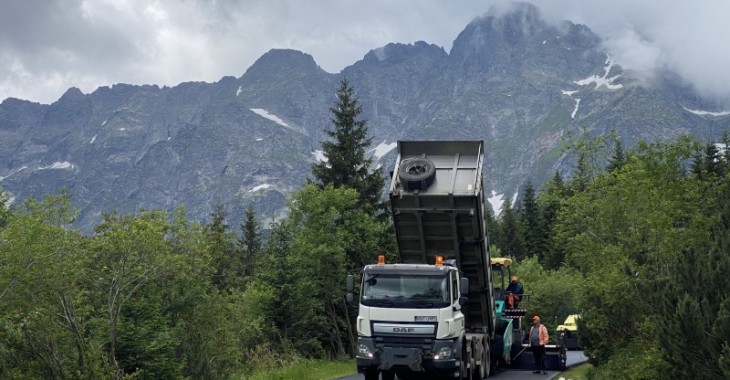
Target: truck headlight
[363,351]
[443,353]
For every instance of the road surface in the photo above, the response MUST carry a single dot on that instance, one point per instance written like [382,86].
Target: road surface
[574,357]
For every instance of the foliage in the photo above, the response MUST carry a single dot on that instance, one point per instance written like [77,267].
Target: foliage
[553,294]
[305,264]
[510,239]
[346,164]
[532,227]
[638,246]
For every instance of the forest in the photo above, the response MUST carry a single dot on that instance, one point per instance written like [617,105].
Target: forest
[636,240]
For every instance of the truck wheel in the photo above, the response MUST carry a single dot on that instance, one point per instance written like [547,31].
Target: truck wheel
[370,374]
[486,365]
[417,173]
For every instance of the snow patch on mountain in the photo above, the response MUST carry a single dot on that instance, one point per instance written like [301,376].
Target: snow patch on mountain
[58,165]
[260,187]
[382,149]
[92,140]
[569,93]
[707,113]
[604,80]
[12,173]
[319,156]
[103,123]
[264,113]
[496,200]
[238,92]
[575,110]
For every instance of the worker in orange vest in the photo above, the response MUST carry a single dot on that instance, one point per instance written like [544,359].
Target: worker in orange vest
[538,340]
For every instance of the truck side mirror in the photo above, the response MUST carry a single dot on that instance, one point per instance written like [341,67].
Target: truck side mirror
[350,298]
[464,286]
[350,283]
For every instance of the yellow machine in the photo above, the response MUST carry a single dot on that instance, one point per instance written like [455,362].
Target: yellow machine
[569,331]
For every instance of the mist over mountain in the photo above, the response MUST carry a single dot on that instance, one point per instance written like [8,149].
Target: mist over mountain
[511,79]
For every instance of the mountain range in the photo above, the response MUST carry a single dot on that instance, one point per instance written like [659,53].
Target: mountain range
[517,82]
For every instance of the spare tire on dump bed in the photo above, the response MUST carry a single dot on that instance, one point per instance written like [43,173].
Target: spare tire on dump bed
[417,173]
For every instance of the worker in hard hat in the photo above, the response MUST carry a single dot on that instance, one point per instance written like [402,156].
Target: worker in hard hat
[538,340]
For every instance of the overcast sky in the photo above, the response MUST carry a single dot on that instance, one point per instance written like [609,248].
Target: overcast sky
[47,46]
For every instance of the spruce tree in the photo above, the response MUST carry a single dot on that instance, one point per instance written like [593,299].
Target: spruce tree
[550,201]
[618,158]
[217,238]
[345,164]
[695,312]
[248,246]
[511,240]
[531,228]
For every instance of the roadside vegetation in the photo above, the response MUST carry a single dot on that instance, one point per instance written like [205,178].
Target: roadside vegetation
[581,372]
[636,240]
[306,370]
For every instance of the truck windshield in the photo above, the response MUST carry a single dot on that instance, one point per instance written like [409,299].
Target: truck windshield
[406,291]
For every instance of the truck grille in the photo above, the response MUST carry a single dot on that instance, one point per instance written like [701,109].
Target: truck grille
[403,342]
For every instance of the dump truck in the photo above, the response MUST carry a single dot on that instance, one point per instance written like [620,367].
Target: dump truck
[432,312]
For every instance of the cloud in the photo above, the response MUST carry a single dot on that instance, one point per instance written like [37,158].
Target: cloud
[48,46]
[690,38]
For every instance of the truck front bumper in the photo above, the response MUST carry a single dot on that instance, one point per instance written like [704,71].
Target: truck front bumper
[405,358]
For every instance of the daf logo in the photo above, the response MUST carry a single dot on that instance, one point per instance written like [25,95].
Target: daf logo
[403,329]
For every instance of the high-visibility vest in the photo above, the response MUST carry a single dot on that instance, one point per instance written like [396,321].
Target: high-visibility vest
[542,334]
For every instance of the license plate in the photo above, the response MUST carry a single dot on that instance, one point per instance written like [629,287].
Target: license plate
[426,318]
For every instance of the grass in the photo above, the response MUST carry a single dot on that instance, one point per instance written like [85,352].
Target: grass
[577,373]
[308,370]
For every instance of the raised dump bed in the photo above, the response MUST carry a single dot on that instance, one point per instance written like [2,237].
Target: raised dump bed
[437,201]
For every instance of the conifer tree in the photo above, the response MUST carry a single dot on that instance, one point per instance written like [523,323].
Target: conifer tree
[531,228]
[618,158]
[248,246]
[551,197]
[218,239]
[582,173]
[345,164]
[695,313]
[511,241]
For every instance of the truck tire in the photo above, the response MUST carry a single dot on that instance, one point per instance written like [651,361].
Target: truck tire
[485,366]
[417,173]
[387,375]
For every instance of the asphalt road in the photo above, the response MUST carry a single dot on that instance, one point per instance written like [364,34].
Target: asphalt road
[574,357]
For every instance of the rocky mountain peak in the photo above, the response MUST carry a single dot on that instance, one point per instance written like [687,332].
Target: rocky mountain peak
[396,53]
[71,95]
[283,61]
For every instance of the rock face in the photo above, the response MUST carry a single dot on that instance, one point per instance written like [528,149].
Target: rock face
[511,79]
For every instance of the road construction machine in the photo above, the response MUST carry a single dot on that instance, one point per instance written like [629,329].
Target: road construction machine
[511,338]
